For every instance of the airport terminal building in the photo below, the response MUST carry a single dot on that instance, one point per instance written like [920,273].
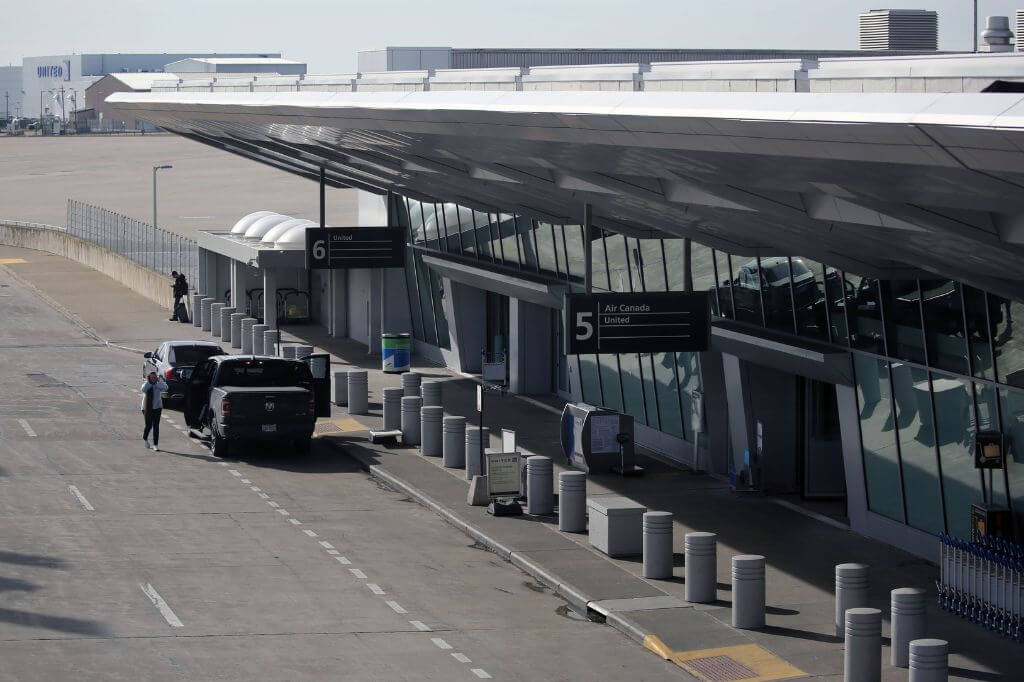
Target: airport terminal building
[857,224]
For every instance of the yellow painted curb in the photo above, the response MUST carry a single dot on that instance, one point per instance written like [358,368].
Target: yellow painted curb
[12,261]
[653,643]
[765,665]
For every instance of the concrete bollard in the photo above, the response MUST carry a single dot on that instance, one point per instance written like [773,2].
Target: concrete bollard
[271,338]
[929,660]
[303,352]
[247,325]
[235,336]
[657,545]
[908,606]
[411,384]
[357,391]
[215,309]
[225,322]
[540,496]
[197,306]
[288,352]
[430,391]
[851,591]
[748,591]
[572,501]
[430,430]
[411,431]
[257,338]
[862,656]
[392,409]
[474,462]
[701,568]
[454,443]
[340,388]
[205,319]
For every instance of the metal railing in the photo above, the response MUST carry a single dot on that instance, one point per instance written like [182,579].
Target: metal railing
[153,248]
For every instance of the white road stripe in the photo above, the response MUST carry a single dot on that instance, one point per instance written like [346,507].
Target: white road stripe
[333,552]
[343,561]
[234,472]
[326,545]
[396,607]
[481,673]
[283,512]
[310,533]
[81,498]
[264,496]
[357,573]
[161,606]
[28,429]
[375,588]
[223,464]
[255,489]
[273,504]
[440,643]
[420,625]
[295,522]
[461,658]
[246,481]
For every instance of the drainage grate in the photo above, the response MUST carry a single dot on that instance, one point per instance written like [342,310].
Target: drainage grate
[719,669]
[327,427]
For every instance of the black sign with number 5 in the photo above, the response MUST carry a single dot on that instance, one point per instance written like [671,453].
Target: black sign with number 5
[658,322]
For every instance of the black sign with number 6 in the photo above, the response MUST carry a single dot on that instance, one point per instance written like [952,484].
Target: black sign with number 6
[354,247]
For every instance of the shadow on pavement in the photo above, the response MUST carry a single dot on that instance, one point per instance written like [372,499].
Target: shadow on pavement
[968,674]
[16,585]
[801,634]
[76,626]
[20,559]
[321,459]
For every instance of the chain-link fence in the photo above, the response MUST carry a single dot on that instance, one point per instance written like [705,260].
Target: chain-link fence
[156,249]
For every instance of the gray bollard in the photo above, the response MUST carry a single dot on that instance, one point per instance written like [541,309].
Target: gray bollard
[474,463]
[862,656]
[271,338]
[851,591]
[430,391]
[205,318]
[430,430]
[225,322]
[303,352]
[701,567]
[411,432]
[411,384]
[197,306]
[357,391]
[929,660]
[572,501]
[392,409]
[748,591]
[454,445]
[908,606]
[340,387]
[236,329]
[247,325]
[215,309]
[288,352]
[540,495]
[258,338]
[657,545]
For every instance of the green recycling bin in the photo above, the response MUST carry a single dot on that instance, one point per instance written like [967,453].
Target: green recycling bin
[395,352]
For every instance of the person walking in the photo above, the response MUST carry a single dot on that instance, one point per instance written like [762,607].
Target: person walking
[152,407]
[180,292]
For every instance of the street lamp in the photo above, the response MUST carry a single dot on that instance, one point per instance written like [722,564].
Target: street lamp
[165,166]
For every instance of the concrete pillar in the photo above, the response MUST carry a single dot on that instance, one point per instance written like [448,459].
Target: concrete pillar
[225,322]
[411,384]
[929,660]
[236,329]
[430,391]
[205,316]
[246,331]
[258,338]
[657,545]
[748,591]
[572,501]
[270,298]
[701,567]
[357,391]
[238,297]
[271,339]
[908,606]
[392,408]
[474,463]
[411,420]
[851,591]
[862,656]
[430,427]
[340,386]
[454,445]
[215,318]
[197,304]
[288,352]
[540,497]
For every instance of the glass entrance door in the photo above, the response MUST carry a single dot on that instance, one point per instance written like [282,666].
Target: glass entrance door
[824,475]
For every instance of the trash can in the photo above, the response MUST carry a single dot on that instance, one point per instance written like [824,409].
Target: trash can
[395,352]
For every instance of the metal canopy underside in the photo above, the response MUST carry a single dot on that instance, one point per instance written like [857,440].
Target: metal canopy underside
[889,185]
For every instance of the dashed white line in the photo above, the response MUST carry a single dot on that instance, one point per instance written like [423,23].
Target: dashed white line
[255,489]
[420,625]
[326,545]
[481,673]
[295,522]
[234,472]
[375,588]
[273,504]
[283,512]
[264,496]
[246,481]
[461,658]
[357,573]
[161,606]
[333,552]
[343,561]
[396,607]
[310,533]
[28,429]
[440,643]
[81,498]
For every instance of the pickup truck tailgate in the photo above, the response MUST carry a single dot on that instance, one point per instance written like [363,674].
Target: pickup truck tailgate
[265,404]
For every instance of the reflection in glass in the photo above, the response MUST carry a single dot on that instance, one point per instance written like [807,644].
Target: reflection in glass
[724,287]
[809,298]
[650,390]
[505,226]
[902,319]
[573,236]
[978,337]
[600,265]
[618,266]
[415,310]
[912,394]
[1012,403]
[652,265]
[866,315]
[667,392]
[426,301]
[527,245]
[689,381]
[746,290]
[702,261]
[632,386]
[1007,318]
[878,438]
[674,260]
[590,381]
[944,325]
[611,389]
[776,294]
[954,421]
[840,293]
[546,248]
[440,319]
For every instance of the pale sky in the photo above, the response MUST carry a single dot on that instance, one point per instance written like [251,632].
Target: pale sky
[328,34]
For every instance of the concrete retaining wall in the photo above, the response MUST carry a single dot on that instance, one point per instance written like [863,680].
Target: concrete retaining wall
[154,286]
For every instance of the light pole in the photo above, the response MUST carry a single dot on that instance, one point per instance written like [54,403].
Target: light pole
[155,169]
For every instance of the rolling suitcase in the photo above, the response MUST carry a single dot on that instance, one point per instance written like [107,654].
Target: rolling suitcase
[181,312]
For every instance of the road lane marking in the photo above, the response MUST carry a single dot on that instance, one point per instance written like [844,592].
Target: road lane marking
[294,522]
[246,481]
[420,625]
[375,588]
[223,464]
[28,429]
[81,498]
[283,512]
[264,496]
[461,658]
[396,607]
[234,472]
[326,545]
[255,489]
[333,552]
[273,504]
[310,533]
[161,606]
[357,573]
[481,673]
[343,561]
[440,643]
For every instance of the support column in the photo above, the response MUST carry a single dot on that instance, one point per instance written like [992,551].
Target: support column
[270,298]
[529,356]
[203,282]
[238,298]
[736,398]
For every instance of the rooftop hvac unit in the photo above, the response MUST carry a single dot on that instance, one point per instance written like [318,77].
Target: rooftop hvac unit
[899,30]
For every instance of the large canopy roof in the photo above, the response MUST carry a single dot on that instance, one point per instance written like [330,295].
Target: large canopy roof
[891,185]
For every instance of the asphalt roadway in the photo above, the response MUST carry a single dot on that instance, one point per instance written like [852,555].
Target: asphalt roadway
[120,563]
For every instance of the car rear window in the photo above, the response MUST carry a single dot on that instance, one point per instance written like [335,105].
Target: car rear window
[260,373]
[193,355]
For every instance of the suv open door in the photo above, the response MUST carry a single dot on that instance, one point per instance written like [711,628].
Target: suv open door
[197,392]
[320,367]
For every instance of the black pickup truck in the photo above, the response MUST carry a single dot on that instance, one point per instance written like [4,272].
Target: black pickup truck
[248,397]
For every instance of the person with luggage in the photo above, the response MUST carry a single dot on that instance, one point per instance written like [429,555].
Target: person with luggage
[152,407]
[180,292]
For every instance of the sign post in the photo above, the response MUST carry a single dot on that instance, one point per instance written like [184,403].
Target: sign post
[652,322]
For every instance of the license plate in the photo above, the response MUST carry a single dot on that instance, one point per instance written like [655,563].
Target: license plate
[269,428]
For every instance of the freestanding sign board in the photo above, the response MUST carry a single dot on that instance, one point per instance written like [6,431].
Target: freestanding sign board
[654,322]
[503,478]
[329,248]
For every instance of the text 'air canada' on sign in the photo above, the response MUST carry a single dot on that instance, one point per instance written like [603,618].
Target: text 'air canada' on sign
[354,247]
[658,322]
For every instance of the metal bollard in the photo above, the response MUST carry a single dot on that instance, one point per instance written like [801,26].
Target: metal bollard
[540,497]
[908,606]
[204,316]
[454,445]
[214,327]
[430,391]
[862,656]
[288,352]
[257,338]
[303,352]
[225,322]
[411,384]
[657,545]
[392,409]
[197,306]
[474,463]
[929,660]
[340,388]
[701,568]
[430,430]
[235,327]
[357,390]
[271,338]
[572,501]
[748,591]
[411,432]
[851,591]
[247,325]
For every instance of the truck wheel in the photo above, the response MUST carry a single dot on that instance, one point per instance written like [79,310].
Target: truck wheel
[302,445]
[220,446]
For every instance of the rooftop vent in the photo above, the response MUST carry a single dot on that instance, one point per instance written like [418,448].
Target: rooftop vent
[997,35]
